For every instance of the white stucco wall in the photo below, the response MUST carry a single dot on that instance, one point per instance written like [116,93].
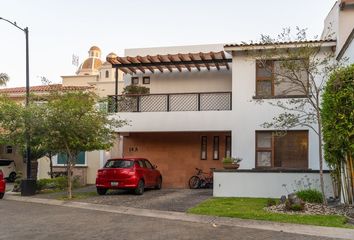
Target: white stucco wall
[247,115]
[349,53]
[261,184]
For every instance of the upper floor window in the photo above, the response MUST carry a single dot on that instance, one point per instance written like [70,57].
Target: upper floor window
[107,74]
[282,149]
[281,78]
[9,150]
[146,80]
[135,80]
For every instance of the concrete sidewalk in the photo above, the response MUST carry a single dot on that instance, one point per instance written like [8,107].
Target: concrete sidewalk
[215,221]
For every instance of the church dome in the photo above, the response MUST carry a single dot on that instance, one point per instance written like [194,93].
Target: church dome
[92,64]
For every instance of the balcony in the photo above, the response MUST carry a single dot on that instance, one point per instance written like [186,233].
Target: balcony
[171,102]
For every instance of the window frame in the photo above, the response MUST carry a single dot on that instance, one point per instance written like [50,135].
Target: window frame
[272,149]
[204,143]
[226,145]
[106,74]
[144,78]
[273,96]
[133,79]
[9,149]
[216,147]
[55,162]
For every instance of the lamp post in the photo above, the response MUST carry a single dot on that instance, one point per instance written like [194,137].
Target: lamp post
[28,186]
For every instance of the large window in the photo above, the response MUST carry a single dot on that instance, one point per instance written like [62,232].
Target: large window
[281,78]
[288,149]
[63,158]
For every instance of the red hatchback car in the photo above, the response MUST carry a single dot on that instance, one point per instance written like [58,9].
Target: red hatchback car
[128,173]
[2,185]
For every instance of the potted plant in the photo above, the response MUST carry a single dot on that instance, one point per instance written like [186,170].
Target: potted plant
[231,162]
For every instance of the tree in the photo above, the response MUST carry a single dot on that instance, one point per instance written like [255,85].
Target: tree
[4,78]
[16,121]
[338,128]
[304,69]
[77,125]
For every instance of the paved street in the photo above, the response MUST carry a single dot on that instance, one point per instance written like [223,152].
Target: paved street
[20,220]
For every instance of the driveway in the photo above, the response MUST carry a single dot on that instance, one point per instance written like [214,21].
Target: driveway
[179,200]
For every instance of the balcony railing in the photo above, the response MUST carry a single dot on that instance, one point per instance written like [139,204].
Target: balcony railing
[171,102]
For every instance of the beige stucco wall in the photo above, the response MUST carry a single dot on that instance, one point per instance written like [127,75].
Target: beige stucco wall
[187,82]
[43,168]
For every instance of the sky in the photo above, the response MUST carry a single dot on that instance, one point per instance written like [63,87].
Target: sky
[59,29]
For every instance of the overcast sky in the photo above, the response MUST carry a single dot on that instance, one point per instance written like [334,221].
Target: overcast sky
[59,29]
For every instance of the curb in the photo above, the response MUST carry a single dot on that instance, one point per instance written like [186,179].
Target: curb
[329,232]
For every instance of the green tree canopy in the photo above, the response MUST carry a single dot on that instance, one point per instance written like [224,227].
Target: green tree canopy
[338,126]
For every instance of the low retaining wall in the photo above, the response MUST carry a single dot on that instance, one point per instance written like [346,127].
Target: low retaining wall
[273,184]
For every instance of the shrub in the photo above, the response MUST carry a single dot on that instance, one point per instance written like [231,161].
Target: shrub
[310,195]
[58,183]
[271,202]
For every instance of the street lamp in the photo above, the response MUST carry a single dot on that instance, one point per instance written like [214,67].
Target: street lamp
[28,186]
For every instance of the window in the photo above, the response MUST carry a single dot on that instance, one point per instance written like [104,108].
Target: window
[228,146]
[119,164]
[216,148]
[281,78]
[203,149]
[146,80]
[282,149]
[9,149]
[63,158]
[107,74]
[148,164]
[135,80]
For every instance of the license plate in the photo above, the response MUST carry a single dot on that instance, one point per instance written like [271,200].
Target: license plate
[114,184]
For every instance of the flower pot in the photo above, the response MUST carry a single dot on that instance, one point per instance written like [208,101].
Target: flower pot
[231,165]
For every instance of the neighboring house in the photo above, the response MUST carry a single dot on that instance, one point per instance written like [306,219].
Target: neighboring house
[339,25]
[92,75]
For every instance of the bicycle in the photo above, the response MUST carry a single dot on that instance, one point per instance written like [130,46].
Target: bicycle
[201,179]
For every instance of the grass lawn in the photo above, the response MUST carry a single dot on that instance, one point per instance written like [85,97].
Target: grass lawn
[252,208]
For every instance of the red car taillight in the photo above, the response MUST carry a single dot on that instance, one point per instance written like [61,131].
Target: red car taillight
[99,173]
[1,175]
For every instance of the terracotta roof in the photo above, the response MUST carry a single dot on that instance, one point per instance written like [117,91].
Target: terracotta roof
[168,62]
[277,43]
[44,88]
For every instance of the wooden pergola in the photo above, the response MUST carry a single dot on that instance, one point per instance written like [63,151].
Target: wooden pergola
[168,62]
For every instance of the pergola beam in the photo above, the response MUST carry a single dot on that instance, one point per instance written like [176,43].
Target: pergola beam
[193,59]
[142,61]
[201,55]
[180,56]
[121,60]
[161,60]
[174,62]
[132,61]
[213,57]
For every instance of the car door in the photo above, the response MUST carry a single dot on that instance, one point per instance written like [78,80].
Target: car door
[5,166]
[150,174]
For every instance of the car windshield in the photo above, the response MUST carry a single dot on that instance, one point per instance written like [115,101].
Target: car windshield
[5,162]
[119,164]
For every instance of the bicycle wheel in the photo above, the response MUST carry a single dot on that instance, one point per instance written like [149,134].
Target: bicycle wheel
[194,182]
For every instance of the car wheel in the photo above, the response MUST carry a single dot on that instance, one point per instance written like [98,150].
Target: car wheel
[159,183]
[12,177]
[102,191]
[2,195]
[140,189]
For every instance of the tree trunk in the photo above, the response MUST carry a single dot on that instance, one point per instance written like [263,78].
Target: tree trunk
[70,166]
[51,165]
[321,159]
